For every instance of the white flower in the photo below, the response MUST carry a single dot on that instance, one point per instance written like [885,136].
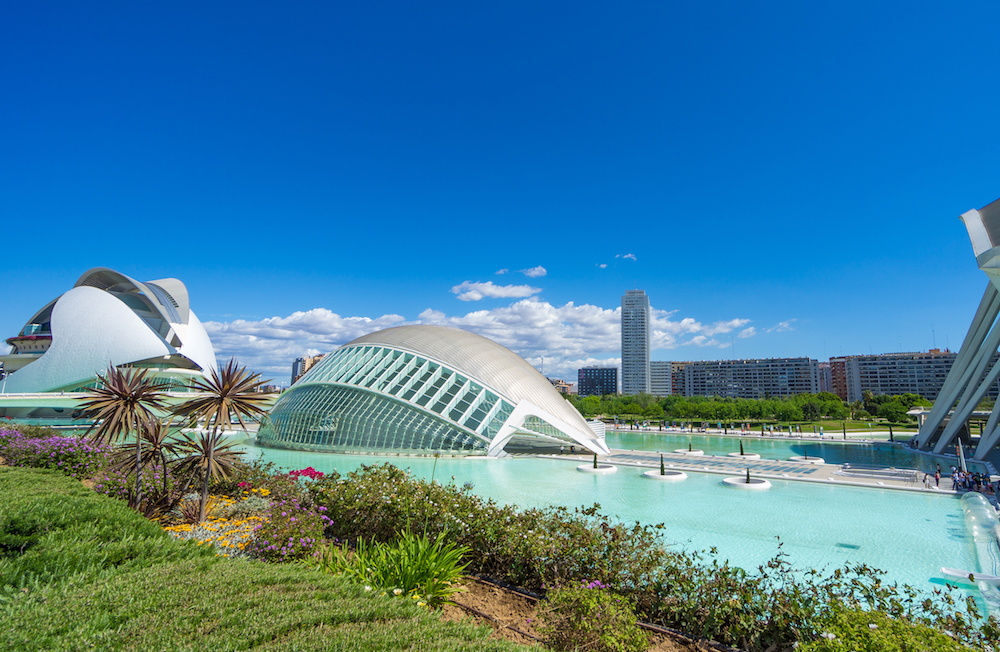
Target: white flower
[828,635]
[397,591]
[872,626]
[367,588]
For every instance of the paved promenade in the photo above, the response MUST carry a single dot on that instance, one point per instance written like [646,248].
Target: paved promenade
[763,468]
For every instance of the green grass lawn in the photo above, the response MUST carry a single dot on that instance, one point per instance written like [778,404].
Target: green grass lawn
[80,571]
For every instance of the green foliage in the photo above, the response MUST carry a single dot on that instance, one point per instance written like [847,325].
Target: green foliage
[226,606]
[893,411]
[412,566]
[33,431]
[53,530]
[532,548]
[586,617]
[852,629]
[802,407]
[689,591]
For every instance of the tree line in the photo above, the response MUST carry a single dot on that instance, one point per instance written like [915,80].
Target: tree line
[801,407]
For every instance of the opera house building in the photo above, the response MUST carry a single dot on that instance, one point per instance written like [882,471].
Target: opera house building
[419,390]
[106,318]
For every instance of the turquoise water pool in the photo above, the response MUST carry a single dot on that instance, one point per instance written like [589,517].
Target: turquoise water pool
[878,453]
[908,535]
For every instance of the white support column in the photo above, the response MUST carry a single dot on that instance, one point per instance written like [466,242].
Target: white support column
[991,434]
[973,394]
[961,371]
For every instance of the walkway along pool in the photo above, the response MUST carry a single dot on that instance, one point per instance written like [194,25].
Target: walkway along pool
[910,535]
[834,452]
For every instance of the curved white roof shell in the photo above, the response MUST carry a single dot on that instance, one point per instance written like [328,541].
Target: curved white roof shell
[481,394]
[109,318]
[483,359]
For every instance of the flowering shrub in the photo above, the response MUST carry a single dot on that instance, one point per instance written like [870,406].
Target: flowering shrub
[231,537]
[308,472]
[532,548]
[120,483]
[73,456]
[847,630]
[690,591]
[587,617]
[292,531]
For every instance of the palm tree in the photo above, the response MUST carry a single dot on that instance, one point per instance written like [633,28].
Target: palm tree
[155,447]
[122,401]
[229,392]
[209,455]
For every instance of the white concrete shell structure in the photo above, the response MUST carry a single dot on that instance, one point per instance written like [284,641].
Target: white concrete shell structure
[420,390]
[971,374]
[109,318]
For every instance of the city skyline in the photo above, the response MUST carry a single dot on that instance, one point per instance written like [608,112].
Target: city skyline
[781,181]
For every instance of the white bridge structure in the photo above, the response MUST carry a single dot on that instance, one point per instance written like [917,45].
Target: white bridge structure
[972,374]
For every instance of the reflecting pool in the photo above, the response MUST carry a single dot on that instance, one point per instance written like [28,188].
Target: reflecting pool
[834,452]
[910,535]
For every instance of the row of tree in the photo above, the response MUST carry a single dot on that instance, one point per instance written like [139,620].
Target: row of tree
[802,407]
[129,405]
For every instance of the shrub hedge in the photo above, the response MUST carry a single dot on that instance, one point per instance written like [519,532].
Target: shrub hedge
[690,591]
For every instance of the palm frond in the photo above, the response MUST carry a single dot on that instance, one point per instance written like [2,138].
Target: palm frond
[209,453]
[124,398]
[157,446]
[228,392]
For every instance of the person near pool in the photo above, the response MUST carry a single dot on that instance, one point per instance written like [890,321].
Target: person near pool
[937,477]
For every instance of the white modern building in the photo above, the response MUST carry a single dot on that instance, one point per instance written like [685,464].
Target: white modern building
[421,390]
[754,378]
[108,318]
[636,340]
[661,378]
[975,370]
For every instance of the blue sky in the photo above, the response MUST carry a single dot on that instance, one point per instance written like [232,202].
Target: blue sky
[783,179]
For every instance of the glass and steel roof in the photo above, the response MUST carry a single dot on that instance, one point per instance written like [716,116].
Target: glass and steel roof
[446,378]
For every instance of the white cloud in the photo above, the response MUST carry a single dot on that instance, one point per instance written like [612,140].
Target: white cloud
[567,337]
[270,345]
[629,256]
[474,291]
[534,272]
[602,265]
[502,271]
[669,334]
[781,327]
[747,332]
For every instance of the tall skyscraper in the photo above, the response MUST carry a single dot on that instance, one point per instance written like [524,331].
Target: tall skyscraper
[635,342]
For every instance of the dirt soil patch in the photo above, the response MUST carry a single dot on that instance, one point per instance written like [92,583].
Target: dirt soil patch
[512,616]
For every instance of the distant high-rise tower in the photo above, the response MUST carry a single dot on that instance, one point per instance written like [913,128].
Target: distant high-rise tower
[635,342]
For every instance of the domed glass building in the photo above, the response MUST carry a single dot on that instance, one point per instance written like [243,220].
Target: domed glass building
[421,390]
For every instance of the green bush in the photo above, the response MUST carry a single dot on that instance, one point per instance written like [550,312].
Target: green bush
[532,548]
[54,530]
[130,587]
[412,565]
[853,630]
[587,617]
[690,591]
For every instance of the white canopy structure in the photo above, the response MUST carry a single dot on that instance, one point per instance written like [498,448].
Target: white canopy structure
[973,372]
[109,318]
